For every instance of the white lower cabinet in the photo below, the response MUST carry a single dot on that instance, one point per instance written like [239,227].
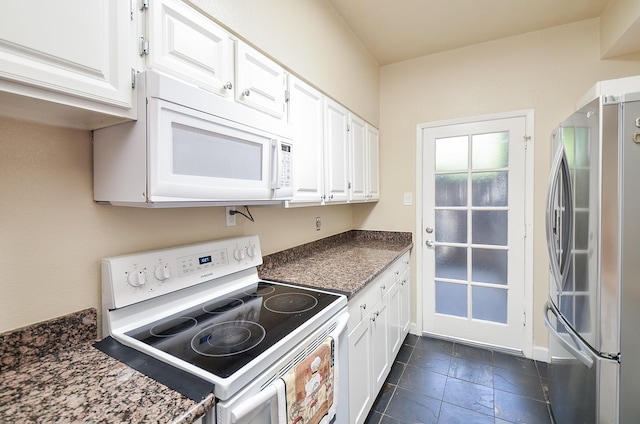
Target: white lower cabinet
[378,323]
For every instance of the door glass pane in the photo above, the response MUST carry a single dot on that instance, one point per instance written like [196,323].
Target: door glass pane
[489,304]
[567,135]
[489,227]
[581,272]
[451,226]
[452,153]
[451,299]
[582,147]
[451,262]
[490,188]
[581,187]
[581,229]
[451,190]
[490,150]
[489,265]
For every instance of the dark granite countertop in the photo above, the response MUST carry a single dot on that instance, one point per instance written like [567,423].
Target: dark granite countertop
[344,263]
[50,372]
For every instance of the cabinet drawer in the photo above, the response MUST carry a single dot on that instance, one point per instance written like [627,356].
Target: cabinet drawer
[367,299]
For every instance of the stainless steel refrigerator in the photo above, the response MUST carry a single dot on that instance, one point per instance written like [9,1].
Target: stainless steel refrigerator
[593,234]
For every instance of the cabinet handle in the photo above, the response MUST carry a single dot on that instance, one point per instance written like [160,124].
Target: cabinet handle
[403,281]
[246,93]
[374,316]
[363,306]
[228,85]
[383,287]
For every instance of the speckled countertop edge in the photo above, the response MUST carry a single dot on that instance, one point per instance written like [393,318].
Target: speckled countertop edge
[343,263]
[51,373]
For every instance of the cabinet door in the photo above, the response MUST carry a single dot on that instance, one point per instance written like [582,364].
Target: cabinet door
[360,377]
[306,117]
[186,44]
[405,303]
[261,82]
[74,50]
[336,152]
[358,159]
[395,324]
[372,164]
[379,321]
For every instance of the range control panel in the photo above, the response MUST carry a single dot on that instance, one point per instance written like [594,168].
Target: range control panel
[141,276]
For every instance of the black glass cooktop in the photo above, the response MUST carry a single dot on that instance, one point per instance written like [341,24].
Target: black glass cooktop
[222,335]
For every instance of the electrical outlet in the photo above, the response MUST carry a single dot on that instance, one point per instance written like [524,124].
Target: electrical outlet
[318,223]
[230,218]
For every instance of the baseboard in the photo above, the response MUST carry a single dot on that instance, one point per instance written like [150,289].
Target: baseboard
[541,353]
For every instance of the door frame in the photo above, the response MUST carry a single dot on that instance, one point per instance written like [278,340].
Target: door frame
[420,238]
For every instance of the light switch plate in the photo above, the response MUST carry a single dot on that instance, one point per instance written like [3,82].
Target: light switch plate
[408,199]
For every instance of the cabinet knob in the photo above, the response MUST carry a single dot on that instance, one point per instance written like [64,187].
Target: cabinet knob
[228,85]
[246,93]
[383,287]
[363,306]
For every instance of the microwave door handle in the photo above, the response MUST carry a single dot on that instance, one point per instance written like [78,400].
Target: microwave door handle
[253,402]
[274,178]
[579,351]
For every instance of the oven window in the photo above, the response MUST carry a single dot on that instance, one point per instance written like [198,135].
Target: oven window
[204,153]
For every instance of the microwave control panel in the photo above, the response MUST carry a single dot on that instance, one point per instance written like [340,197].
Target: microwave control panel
[286,170]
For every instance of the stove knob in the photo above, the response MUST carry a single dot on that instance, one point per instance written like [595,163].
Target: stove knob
[251,251]
[238,254]
[162,272]
[137,279]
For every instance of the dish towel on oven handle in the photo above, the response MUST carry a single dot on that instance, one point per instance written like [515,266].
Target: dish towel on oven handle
[309,393]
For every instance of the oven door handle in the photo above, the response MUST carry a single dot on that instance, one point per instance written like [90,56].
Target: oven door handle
[253,402]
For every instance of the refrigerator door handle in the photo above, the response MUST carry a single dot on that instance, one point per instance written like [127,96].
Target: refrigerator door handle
[579,349]
[559,265]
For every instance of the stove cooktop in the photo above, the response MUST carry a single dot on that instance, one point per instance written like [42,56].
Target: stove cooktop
[224,334]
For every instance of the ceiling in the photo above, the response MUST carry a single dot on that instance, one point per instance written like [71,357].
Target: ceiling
[396,30]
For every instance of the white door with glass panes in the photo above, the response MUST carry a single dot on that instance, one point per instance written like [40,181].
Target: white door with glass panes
[474,231]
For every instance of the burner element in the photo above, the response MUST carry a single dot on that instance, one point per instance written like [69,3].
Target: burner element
[290,303]
[262,289]
[173,326]
[228,338]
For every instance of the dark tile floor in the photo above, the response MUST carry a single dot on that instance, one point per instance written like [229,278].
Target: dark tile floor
[440,382]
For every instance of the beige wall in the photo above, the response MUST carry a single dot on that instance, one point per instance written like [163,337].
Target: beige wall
[52,234]
[547,71]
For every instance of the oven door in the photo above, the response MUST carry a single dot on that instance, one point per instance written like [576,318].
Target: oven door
[264,401]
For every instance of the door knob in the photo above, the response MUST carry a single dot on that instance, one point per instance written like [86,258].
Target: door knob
[430,243]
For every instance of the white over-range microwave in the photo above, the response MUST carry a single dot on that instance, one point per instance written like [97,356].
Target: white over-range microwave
[191,147]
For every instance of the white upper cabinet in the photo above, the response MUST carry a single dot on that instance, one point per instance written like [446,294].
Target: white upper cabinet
[358,159]
[67,61]
[261,82]
[336,152]
[305,109]
[372,166]
[182,42]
